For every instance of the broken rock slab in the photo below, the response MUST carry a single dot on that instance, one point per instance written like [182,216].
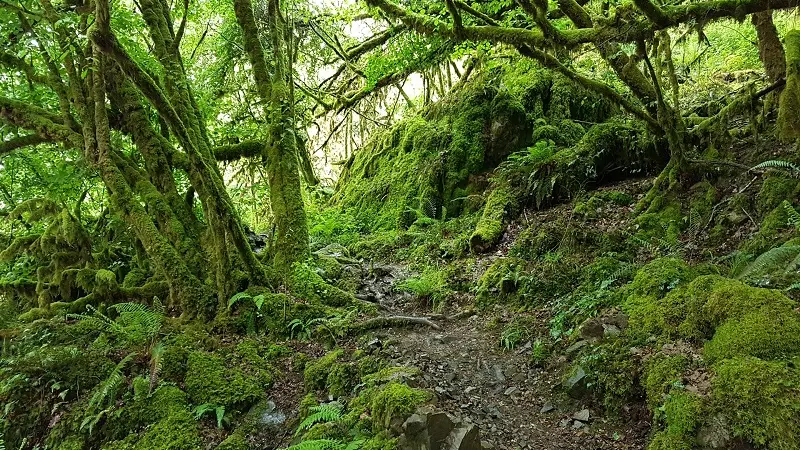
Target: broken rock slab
[428,429]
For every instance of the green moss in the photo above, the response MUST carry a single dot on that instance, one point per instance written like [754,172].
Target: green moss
[535,241]
[660,374]
[331,372]
[774,191]
[396,400]
[236,441]
[492,222]
[659,277]
[564,133]
[611,373]
[209,381]
[662,222]
[789,106]
[72,443]
[490,285]
[761,401]
[762,334]
[308,285]
[747,320]
[770,233]
[683,413]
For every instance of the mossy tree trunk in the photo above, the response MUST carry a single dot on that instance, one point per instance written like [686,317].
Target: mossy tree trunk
[281,150]
[102,91]
[770,49]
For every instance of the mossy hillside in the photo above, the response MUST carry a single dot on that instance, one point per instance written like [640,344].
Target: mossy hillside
[426,164]
[612,150]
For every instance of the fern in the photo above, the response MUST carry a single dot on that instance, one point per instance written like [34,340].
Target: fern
[106,392]
[329,412]
[319,444]
[156,360]
[779,258]
[786,166]
[794,216]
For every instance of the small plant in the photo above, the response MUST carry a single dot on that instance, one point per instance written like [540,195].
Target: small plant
[217,410]
[430,286]
[300,329]
[325,413]
[513,335]
[258,302]
[539,353]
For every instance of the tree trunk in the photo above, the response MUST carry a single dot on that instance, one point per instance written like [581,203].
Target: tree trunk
[770,49]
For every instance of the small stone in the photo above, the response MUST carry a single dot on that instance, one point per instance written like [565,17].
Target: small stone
[575,347]
[591,329]
[565,423]
[611,330]
[450,376]
[497,371]
[547,407]
[577,425]
[470,389]
[575,385]
[415,424]
[511,390]
[582,415]
[486,445]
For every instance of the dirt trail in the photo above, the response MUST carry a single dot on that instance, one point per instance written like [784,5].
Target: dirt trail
[515,405]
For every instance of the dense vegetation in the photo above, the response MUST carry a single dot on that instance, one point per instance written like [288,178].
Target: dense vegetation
[219,220]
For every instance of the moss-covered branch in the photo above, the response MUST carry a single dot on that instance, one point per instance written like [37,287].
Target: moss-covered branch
[20,142]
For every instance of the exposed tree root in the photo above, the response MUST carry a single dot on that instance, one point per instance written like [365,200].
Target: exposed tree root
[393,321]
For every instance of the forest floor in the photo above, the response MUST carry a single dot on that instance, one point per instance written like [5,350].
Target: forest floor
[514,405]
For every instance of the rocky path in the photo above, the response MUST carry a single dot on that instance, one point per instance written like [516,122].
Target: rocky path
[514,405]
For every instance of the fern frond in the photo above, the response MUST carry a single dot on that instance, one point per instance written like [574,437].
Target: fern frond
[778,258]
[107,390]
[778,164]
[794,216]
[318,444]
[329,412]
[155,363]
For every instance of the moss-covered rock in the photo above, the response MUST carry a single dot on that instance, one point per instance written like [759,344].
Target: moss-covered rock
[761,401]
[660,373]
[499,281]
[396,400]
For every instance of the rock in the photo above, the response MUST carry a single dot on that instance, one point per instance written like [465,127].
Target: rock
[547,407]
[450,376]
[444,338]
[577,425]
[396,426]
[611,330]
[415,424]
[511,390]
[582,415]
[465,437]
[508,286]
[470,389]
[485,445]
[440,425]
[715,434]
[497,372]
[591,329]
[575,385]
[575,347]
